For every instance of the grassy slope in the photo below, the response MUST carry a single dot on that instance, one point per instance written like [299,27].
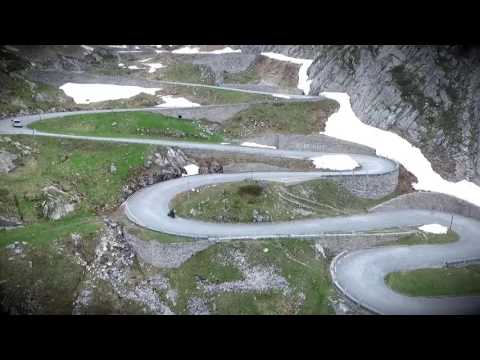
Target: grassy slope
[133,124]
[45,274]
[79,166]
[209,96]
[249,76]
[294,117]
[186,72]
[16,95]
[437,282]
[294,259]
[227,202]
[82,166]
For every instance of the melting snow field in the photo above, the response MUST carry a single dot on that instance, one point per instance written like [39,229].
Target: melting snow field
[434,229]
[88,93]
[334,162]
[283,96]
[154,66]
[303,82]
[252,144]
[345,125]
[89,48]
[11,48]
[191,169]
[196,50]
[171,101]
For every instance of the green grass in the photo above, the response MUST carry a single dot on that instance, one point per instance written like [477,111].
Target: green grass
[74,165]
[249,76]
[132,124]
[422,238]
[44,232]
[293,259]
[236,202]
[437,282]
[45,277]
[210,96]
[294,117]
[191,73]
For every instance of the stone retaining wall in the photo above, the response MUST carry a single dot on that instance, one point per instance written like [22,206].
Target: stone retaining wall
[369,186]
[317,143]
[336,243]
[430,201]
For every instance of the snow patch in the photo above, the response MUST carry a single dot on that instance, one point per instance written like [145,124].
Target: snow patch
[134,67]
[227,50]
[87,93]
[191,169]
[319,248]
[303,82]
[345,125]
[171,101]
[187,50]
[434,229]
[283,96]
[334,162]
[11,48]
[196,50]
[89,48]
[252,144]
[154,67]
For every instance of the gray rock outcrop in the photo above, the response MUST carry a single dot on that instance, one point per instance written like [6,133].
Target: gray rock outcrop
[426,94]
[57,203]
[7,162]
[162,165]
[210,166]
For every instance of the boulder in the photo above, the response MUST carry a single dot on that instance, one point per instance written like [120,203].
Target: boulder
[57,203]
[7,162]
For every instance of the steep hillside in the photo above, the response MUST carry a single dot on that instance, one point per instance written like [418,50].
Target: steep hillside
[426,94]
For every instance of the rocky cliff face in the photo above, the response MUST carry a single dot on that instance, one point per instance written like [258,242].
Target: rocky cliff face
[426,94]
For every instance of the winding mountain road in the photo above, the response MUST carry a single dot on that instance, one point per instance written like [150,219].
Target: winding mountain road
[359,274]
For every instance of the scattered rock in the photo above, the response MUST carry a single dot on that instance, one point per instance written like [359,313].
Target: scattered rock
[113,168]
[259,217]
[113,262]
[255,278]
[210,166]
[197,306]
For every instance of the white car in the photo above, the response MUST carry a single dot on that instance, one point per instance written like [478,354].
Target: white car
[17,123]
